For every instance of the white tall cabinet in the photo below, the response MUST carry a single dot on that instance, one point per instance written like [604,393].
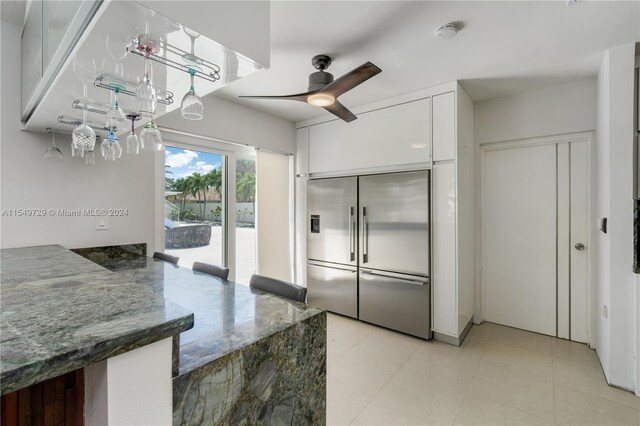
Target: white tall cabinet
[429,129]
[452,215]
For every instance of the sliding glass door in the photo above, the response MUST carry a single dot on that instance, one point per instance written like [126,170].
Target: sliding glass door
[245,216]
[195,206]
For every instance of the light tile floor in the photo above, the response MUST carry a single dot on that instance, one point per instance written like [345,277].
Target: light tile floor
[499,376]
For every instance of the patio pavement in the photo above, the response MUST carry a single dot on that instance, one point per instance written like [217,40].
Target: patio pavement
[245,253]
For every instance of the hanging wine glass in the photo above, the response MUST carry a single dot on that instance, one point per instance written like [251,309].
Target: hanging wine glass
[150,137]
[115,117]
[146,95]
[90,158]
[191,106]
[83,136]
[116,44]
[110,147]
[133,142]
[53,153]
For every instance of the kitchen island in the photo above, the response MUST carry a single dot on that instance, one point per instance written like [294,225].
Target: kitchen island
[249,356]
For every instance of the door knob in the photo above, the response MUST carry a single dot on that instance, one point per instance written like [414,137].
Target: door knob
[579,246]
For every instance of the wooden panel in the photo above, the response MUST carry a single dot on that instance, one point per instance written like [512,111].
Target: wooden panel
[54,402]
[24,406]
[58,405]
[37,405]
[49,400]
[10,407]
[444,130]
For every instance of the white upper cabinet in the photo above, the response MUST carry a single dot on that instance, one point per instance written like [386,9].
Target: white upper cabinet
[397,135]
[444,130]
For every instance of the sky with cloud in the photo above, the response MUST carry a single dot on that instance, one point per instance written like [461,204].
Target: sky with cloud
[185,162]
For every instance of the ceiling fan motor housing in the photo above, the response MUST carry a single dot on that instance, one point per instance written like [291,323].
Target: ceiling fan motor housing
[319,79]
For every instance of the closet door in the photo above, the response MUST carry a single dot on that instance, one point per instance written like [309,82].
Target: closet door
[519,235]
[578,247]
[535,233]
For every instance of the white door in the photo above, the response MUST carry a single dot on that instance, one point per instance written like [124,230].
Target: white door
[535,214]
[578,249]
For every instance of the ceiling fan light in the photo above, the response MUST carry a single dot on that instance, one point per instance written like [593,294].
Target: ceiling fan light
[321,99]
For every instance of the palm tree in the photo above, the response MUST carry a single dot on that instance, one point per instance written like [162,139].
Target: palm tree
[246,188]
[194,188]
[181,185]
[213,179]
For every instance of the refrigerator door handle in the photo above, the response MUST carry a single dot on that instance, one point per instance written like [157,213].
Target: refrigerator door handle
[352,251]
[394,277]
[365,236]
[317,265]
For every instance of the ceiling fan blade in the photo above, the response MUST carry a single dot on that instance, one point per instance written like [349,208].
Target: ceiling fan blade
[351,79]
[341,111]
[302,97]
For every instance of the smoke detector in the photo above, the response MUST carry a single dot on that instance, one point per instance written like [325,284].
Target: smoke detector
[446,32]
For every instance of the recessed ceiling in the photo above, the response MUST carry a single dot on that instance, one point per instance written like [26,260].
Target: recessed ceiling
[502,48]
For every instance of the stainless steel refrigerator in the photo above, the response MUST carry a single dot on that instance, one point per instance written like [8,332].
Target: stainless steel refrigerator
[368,249]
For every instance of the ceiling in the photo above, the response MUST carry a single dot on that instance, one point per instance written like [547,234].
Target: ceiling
[503,47]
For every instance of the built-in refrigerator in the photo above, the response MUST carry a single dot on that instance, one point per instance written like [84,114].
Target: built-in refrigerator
[368,249]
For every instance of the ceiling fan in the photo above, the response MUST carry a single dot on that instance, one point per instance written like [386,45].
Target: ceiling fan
[323,90]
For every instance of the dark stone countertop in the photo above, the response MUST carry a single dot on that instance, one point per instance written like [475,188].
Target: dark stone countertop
[228,316]
[60,312]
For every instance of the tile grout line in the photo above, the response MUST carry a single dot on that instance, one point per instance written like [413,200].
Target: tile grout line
[553,377]
[468,391]
[528,413]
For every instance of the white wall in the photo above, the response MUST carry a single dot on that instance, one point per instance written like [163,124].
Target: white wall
[564,108]
[600,254]
[236,123]
[133,388]
[559,109]
[29,181]
[614,194]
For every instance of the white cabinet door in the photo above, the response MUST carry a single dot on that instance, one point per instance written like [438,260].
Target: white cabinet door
[445,316]
[444,126]
[391,136]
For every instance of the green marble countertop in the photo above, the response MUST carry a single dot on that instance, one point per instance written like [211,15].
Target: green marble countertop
[228,316]
[60,312]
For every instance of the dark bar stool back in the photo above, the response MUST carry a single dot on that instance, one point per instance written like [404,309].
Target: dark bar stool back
[214,270]
[278,287]
[166,257]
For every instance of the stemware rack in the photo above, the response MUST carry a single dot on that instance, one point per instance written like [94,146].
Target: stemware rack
[50,131]
[90,106]
[73,121]
[199,67]
[110,82]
